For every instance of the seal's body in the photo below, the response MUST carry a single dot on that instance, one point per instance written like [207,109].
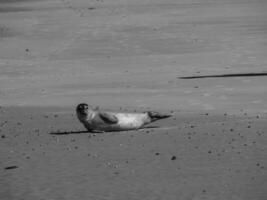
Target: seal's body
[100,121]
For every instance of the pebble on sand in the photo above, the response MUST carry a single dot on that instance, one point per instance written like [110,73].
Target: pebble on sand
[173,158]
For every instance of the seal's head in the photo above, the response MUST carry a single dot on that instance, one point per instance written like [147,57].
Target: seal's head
[82,109]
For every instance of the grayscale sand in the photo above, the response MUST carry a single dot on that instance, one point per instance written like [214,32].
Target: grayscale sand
[129,55]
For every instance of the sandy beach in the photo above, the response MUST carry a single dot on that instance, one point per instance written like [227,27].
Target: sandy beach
[132,56]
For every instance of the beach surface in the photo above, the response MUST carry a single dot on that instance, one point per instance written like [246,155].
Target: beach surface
[134,56]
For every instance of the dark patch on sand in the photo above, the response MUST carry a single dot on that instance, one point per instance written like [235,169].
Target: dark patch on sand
[67,132]
[8,6]
[11,167]
[225,75]
[79,132]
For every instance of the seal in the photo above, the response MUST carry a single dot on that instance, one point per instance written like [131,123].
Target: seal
[95,120]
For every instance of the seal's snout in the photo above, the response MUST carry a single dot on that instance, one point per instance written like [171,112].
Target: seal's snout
[82,109]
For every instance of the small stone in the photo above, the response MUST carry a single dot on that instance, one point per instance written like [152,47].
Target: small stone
[3,136]
[156,154]
[173,158]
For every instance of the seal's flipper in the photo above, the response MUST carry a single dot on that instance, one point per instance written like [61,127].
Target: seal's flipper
[156,116]
[108,117]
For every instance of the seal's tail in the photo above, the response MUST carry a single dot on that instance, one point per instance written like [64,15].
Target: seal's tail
[156,116]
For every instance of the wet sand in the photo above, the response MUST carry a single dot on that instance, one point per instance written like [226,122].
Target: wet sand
[131,55]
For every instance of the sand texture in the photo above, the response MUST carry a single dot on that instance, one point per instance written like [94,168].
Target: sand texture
[202,60]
